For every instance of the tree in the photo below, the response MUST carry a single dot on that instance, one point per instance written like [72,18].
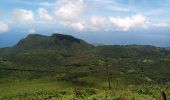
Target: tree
[108,73]
[106,63]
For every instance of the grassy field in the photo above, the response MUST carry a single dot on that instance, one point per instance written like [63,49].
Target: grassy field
[46,89]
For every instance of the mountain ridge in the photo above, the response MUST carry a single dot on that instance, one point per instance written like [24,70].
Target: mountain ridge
[63,42]
[54,41]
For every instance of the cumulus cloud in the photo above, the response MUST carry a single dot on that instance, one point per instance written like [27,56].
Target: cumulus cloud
[92,24]
[78,26]
[69,9]
[96,22]
[23,16]
[126,23]
[69,14]
[43,13]
[100,23]
[3,26]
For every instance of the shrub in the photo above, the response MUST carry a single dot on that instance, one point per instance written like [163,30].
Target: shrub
[139,90]
[82,93]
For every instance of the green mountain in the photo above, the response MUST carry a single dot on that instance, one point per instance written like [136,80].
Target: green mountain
[38,67]
[66,53]
[56,41]
[38,50]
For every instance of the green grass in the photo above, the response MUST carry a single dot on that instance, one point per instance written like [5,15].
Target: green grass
[45,88]
[25,86]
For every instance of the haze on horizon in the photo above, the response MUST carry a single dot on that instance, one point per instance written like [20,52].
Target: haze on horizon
[96,21]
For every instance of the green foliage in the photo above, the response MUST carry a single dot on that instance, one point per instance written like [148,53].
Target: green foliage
[38,95]
[42,89]
[140,90]
[110,98]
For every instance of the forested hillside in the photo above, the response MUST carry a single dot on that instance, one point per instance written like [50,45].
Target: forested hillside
[63,58]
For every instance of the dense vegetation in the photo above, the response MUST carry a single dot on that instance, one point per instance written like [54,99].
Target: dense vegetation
[63,67]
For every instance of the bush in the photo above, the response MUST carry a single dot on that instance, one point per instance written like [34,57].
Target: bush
[82,93]
[139,90]
[37,95]
[110,98]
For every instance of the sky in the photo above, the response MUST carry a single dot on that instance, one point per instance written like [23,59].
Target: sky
[123,22]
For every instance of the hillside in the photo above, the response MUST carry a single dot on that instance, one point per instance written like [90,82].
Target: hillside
[50,52]
[64,58]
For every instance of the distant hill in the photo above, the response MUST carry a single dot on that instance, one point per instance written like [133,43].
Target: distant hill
[36,41]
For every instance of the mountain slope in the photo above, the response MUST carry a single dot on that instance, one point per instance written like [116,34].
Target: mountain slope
[44,51]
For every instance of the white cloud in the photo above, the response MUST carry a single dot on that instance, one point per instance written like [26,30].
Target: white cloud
[100,23]
[96,22]
[31,31]
[43,13]
[125,24]
[78,26]
[68,13]
[3,26]
[69,9]
[160,24]
[23,16]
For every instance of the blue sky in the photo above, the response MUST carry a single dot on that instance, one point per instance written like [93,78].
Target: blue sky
[96,21]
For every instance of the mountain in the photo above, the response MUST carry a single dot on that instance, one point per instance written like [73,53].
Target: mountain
[38,50]
[56,41]
[65,52]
